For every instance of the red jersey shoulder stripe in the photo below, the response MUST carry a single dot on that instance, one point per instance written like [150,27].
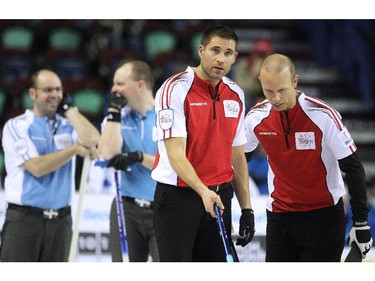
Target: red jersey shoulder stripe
[258,105]
[166,89]
[165,96]
[334,113]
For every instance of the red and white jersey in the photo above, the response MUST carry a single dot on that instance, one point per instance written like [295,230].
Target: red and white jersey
[302,150]
[212,121]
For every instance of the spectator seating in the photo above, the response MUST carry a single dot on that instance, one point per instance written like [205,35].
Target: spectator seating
[15,64]
[17,37]
[158,38]
[111,58]
[65,38]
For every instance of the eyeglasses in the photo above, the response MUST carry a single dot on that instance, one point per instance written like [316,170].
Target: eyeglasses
[49,90]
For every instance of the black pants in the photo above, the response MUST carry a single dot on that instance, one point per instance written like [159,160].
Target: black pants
[314,236]
[28,237]
[140,233]
[184,230]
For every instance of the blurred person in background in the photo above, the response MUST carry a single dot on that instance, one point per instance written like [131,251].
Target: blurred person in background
[39,146]
[128,142]
[246,71]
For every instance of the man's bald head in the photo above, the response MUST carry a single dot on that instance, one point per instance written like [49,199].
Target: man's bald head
[276,63]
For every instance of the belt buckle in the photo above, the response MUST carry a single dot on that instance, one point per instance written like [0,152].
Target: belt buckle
[50,214]
[142,203]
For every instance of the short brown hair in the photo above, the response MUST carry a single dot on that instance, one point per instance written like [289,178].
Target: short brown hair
[219,30]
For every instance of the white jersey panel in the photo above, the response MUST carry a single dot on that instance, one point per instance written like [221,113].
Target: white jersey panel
[336,143]
[18,148]
[240,138]
[170,122]
[253,119]
[170,112]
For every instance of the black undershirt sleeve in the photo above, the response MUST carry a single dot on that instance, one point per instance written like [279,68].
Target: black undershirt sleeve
[356,182]
[248,155]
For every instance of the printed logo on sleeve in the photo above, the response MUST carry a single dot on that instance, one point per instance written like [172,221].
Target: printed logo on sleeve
[305,140]
[166,119]
[231,108]
[345,137]
[20,147]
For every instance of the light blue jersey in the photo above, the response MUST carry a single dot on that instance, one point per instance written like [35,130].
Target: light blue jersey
[25,137]
[138,133]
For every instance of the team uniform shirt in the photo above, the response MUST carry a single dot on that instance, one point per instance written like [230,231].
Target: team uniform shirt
[302,149]
[138,133]
[28,136]
[210,119]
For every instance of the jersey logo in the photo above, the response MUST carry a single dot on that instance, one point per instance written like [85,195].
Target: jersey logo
[198,104]
[166,119]
[231,108]
[127,127]
[345,138]
[305,140]
[267,133]
[20,147]
[62,141]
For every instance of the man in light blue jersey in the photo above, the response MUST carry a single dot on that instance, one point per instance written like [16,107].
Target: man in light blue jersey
[128,141]
[39,146]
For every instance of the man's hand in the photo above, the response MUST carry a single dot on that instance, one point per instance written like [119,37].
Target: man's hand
[361,235]
[117,101]
[83,151]
[65,104]
[122,161]
[209,198]
[247,227]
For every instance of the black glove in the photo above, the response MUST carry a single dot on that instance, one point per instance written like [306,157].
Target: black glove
[117,101]
[247,227]
[361,235]
[121,161]
[65,104]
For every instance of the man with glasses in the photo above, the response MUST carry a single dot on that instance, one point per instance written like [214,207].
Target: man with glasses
[39,146]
